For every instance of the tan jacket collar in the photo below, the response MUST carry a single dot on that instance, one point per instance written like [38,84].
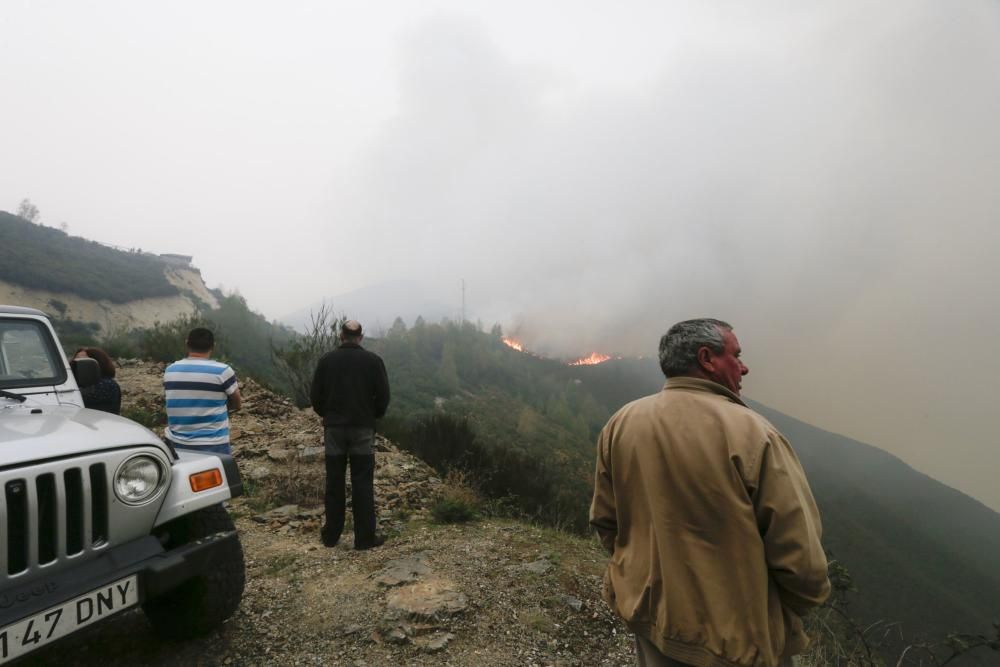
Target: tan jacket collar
[698,384]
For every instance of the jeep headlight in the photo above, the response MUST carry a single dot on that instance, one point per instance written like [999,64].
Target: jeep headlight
[138,479]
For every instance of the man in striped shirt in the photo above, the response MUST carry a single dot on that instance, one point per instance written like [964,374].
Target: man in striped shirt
[200,393]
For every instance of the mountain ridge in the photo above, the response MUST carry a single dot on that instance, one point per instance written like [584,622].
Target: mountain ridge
[69,277]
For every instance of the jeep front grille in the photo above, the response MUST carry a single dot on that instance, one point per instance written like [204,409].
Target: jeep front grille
[51,516]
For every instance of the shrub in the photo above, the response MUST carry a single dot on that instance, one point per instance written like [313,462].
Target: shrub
[452,510]
[458,503]
[296,361]
[165,341]
[514,482]
[121,343]
[75,334]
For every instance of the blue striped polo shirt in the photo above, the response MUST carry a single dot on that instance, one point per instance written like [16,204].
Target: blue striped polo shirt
[197,391]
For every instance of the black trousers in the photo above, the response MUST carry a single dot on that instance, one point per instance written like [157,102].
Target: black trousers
[352,446]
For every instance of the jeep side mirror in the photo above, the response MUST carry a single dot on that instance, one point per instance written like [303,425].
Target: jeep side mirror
[86,371]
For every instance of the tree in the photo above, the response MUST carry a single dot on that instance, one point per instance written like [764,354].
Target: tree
[398,327]
[297,361]
[27,210]
[447,374]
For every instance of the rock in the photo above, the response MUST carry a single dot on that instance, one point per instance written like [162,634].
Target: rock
[427,601]
[572,602]
[396,635]
[540,566]
[436,643]
[281,514]
[391,471]
[400,631]
[401,571]
[279,454]
[309,454]
[255,471]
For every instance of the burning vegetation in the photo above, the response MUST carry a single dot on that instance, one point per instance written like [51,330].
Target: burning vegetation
[513,343]
[592,360]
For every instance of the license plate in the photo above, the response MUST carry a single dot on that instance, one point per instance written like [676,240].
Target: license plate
[45,627]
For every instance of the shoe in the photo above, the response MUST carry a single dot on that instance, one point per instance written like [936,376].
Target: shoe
[377,542]
[327,541]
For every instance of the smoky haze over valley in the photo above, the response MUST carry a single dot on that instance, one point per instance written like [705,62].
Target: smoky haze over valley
[823,178]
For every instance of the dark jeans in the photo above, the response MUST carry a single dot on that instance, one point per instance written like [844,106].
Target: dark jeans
[354,445]
[204,449]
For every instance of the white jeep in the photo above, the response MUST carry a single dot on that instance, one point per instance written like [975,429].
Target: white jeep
[97,514]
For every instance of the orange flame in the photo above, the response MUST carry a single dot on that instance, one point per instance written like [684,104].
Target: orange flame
[513,343]
[593,359]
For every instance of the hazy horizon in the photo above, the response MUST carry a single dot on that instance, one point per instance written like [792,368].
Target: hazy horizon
[822,177]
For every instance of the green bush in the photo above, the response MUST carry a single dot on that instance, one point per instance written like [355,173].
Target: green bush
[511,480]
[165,341]
[453,510]
[458,502]
[122,344]
[74,334]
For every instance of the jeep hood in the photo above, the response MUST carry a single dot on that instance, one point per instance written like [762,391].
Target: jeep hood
[29,433]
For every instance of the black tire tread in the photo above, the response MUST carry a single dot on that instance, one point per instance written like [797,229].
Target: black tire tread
[198,606]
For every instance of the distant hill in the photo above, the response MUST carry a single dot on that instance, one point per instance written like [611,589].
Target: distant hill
[377,306]
[46,258]
[921,554]
[133,304]
[72,278]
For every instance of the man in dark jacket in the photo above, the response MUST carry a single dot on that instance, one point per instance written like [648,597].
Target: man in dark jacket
[350,390]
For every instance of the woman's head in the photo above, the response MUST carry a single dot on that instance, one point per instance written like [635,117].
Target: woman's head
[101,357]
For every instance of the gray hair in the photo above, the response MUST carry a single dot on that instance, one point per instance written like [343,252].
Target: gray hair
[679,346]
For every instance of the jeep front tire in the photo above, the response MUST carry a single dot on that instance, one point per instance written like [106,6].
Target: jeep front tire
[201,604]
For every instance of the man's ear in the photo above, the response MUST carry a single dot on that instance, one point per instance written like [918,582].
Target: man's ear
[705,359]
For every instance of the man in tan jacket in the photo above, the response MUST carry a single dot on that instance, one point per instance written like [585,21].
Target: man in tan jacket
[713,532]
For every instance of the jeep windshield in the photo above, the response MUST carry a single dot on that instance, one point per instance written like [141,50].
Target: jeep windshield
[28,356]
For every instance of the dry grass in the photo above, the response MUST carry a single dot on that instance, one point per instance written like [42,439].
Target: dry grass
[458,501]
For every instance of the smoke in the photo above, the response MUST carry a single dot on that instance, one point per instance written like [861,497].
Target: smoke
[827,184]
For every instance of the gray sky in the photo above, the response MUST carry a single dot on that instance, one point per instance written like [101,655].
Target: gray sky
[823,177]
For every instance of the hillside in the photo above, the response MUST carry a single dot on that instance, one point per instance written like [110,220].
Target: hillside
[72,278]
[921,553]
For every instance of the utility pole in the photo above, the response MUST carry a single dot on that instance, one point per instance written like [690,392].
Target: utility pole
[463,300]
